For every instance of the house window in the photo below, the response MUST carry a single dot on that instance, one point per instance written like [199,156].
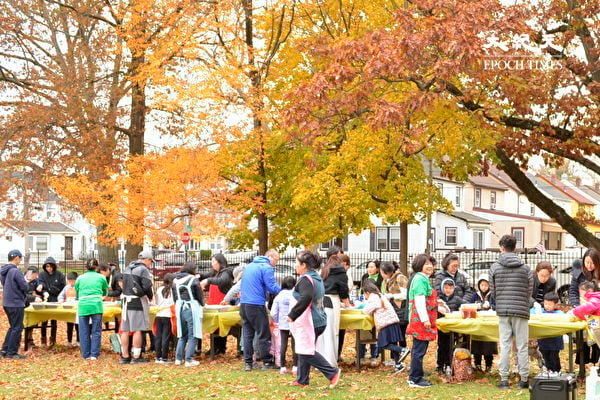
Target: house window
[394,239]
[477,197]
[492,200]
[478,239]
[457,198]
[382,238]
[38,243]
[327,245]
[451,236]
[531,209]
[519,234]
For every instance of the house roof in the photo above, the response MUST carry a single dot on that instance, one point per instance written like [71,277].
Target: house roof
[504,178]
[487,182]
[548,188]
[590,191]
[43,227]
[469,217]
[566,189]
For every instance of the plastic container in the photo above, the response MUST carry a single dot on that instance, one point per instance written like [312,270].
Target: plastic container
[592,385]
[468,311]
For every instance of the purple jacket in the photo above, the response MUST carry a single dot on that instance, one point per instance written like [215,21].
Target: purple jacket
[14,285]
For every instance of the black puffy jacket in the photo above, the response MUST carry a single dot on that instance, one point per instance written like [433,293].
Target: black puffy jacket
[54,282]
[511,284]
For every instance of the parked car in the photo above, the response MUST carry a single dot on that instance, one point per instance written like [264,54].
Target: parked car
[171,263]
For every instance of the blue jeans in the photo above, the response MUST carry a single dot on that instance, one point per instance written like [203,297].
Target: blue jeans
[187,336]
[90,335]
[416,359]
[362,349]
[12,340]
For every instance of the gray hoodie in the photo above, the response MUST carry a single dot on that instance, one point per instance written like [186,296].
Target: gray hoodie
[511,285]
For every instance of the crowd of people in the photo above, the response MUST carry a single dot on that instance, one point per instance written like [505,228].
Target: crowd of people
[306,308]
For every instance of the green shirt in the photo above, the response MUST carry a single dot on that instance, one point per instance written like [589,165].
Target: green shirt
[90,287]
[420,285]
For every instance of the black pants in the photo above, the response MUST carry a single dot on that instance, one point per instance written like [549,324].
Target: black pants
[284,335]
[489,359]
[341,338]
[316,360]
[12,340]
[162,339]
[255,320]
[443,351]
[53,327]
[403,327]
[70,327]
[551,359]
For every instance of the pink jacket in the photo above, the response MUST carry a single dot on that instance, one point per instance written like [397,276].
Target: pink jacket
[383,312]
[592,307]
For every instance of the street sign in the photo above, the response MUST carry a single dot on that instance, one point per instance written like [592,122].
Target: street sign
[186,237]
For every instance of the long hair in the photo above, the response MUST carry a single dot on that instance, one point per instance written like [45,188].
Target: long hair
[331,261]
[220,258]
[594,255]
[168,284]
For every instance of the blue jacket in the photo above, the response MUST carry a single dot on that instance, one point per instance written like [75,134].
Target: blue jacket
[257,280]
[14,285]
[553,343]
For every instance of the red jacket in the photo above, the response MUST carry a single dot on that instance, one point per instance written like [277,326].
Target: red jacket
[592,307]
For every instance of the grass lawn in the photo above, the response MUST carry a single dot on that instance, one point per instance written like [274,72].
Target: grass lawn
[60,373]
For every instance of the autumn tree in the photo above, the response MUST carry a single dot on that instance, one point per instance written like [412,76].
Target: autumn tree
[441,52]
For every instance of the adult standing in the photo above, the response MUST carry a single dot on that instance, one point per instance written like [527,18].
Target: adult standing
[309,320]
[422,315]
[589,271]
[258,279]
[511,285]
[115,287]
[342,332]
[135,315]
[219,283]
[13,301]
[52,281]
[395,290]
[335,281]
[450,270]
[188,309]
[543,282]
[90,288]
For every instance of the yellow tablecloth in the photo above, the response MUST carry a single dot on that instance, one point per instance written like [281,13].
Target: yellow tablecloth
[486,328]
[212,321]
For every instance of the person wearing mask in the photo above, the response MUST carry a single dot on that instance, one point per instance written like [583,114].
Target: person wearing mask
[13,301]
[258,280]
[52,281]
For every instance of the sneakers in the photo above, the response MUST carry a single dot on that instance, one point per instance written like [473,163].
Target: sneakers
[159,361]
[296,383]
[336,378]
[374,362]
[124,360]
[398,368]
[178,362]
[93,358]
[283,370]
[15,356]
[192,363]
[138,360]
[403,354]
[423,383]
[248,367]
[268,365]
[503,385]
[523,385]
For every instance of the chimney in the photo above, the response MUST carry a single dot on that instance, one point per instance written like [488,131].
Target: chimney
[578,182]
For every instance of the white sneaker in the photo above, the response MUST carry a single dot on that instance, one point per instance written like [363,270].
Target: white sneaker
[192,363]
[177,362]
[159,361]
[283,370]
[93,358]
[374,362]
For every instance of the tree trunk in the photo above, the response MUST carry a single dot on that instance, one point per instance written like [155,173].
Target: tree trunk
[403,247]
[263,233]
[580,233]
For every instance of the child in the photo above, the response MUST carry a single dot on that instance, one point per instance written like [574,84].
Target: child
[162,322]
[67,294]
[279,312]
[373,275]
[448,302]
[590,300]
[479,349]
[34,295]
[551,347]
[387,324]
